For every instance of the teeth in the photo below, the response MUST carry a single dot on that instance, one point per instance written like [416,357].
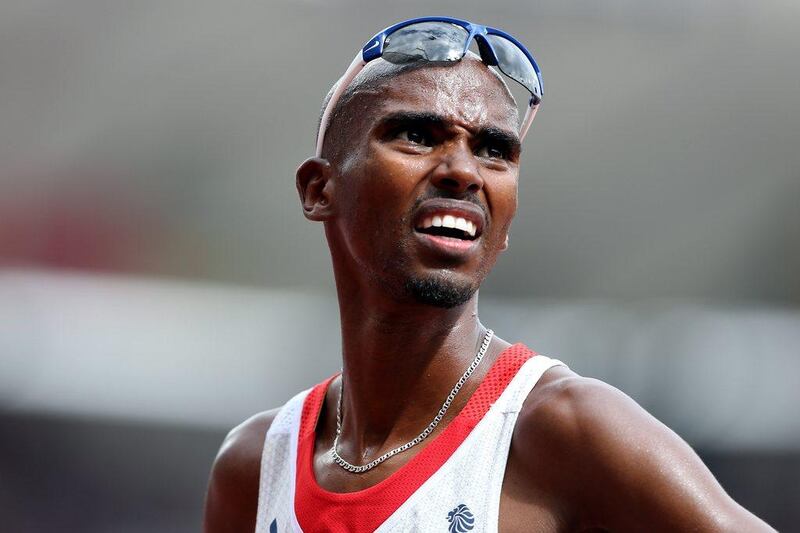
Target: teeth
[450,221]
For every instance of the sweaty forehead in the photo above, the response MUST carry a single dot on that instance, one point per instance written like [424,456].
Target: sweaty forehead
[466,93]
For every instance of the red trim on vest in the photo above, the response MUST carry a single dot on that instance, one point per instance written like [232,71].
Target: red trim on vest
[320,510]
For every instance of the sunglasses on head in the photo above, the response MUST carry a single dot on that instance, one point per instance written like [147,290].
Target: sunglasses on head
[444,39]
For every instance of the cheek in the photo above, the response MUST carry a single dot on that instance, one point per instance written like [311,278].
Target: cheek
[389,181]
[503,204]
[393,171]
[376,197]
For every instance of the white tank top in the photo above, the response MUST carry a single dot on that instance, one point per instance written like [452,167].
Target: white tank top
[453,485]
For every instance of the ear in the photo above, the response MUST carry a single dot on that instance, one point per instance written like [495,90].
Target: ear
[315,187]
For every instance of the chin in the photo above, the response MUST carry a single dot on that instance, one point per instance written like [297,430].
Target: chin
[440,290]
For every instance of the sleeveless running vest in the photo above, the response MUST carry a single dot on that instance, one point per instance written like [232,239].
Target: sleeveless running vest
[453,485]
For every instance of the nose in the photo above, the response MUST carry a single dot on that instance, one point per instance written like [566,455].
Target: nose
[458,171]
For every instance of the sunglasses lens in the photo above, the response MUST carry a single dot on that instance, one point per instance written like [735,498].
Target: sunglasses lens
[515,64]
[426,41]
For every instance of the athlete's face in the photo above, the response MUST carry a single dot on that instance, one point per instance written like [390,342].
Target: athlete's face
[439,148]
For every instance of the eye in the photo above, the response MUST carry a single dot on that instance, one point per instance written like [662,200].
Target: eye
[493,151]
[414,136]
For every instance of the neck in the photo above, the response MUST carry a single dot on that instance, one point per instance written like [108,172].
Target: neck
[397,352]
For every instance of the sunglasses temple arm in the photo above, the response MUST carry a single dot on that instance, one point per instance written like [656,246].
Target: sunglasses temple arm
[352,71]
[527,121]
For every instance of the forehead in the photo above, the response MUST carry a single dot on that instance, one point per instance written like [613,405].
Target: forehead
[465,93]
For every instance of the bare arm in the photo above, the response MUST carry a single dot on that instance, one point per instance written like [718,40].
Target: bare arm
[620,468]
[232,497]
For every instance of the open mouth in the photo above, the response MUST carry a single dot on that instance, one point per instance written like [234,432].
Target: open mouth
[449,226]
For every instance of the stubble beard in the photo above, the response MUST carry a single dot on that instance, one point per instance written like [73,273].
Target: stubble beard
[439,288]
[438,291]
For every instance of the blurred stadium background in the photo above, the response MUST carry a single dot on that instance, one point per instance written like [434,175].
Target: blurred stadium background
[158,282]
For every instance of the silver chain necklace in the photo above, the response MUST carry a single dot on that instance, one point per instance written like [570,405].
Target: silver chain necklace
[357,469]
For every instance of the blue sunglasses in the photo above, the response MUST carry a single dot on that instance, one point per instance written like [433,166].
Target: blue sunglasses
[444,39]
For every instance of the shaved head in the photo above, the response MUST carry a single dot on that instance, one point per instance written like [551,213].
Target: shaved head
[355,102]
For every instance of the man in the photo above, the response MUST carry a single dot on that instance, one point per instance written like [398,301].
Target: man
[434,423]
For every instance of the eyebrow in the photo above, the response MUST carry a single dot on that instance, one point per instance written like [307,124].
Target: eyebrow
[424,118]
[413,117]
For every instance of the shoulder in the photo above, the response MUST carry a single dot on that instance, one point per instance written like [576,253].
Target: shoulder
[586,420]
[232,496]
[614,464]
[565,405]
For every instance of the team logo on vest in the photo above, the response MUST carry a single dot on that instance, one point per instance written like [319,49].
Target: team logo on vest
[273,527]
[461,519]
